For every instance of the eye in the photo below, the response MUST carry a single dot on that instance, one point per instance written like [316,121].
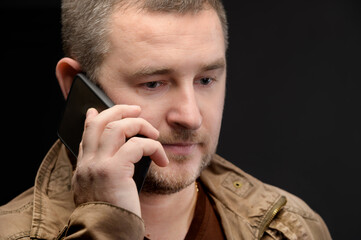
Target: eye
[206,81]
[152,85]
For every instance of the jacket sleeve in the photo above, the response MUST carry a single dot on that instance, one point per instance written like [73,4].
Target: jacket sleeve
[103,221]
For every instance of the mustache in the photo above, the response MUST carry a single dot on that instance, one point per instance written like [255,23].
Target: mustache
[181,135]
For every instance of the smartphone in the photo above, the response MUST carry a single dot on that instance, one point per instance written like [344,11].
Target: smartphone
[83,95]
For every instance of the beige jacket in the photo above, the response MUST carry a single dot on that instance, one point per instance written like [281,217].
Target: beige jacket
[248,208]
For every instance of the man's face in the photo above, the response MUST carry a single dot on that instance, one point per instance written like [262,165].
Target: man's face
[173,67]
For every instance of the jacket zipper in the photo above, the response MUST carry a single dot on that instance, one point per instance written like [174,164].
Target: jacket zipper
[271,215]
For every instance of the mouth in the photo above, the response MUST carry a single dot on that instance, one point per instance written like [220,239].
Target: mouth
[180,148]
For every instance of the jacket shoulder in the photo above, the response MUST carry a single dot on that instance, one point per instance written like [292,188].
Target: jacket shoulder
[297,220]
[16,217]
[253,201]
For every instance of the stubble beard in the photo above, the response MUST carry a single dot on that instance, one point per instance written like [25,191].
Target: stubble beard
[162,182]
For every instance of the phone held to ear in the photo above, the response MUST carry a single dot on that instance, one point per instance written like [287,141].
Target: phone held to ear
[83,95]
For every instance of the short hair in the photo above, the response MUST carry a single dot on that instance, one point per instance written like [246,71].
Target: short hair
[85,29]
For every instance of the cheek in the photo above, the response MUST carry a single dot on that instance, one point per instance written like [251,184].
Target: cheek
[213,123]
[213,117]
[153,113]
[212,108]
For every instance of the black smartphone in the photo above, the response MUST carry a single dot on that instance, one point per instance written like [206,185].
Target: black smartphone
[83,95]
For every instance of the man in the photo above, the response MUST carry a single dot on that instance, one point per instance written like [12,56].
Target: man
[163,63]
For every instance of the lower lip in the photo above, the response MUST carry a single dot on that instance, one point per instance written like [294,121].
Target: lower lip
[179,149]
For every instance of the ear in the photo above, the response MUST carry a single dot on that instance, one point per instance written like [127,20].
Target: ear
[66,69]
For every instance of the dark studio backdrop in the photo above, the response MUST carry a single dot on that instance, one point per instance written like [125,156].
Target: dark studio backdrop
[292,115]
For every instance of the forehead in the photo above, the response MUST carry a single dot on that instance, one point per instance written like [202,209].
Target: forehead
[141,26]
[182,43]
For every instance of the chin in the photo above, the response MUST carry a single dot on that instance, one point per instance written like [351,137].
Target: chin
[181,172]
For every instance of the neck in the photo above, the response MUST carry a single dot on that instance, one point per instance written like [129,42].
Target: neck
[168,216]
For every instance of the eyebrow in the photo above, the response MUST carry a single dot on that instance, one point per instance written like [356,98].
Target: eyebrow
[152,71]
[218,64]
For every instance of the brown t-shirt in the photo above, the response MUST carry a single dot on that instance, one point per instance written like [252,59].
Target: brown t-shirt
[205,224]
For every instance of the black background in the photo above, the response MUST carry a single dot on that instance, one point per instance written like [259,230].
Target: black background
[292,115]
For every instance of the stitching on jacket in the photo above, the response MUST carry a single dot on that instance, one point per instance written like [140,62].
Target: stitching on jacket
[109,205]
[49,161]
[18,210]
[25,234]
[233,177]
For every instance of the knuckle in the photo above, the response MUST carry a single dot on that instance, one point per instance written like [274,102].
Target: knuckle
[90,124]
[115,128]
[159,145]
[110,126]
[134,140]
[144,123]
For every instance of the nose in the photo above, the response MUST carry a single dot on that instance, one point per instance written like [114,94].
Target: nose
[184,111]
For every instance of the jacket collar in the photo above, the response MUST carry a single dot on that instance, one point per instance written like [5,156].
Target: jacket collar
[246,206]
[52,194]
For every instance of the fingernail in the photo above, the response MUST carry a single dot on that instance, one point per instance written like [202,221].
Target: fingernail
[89,112]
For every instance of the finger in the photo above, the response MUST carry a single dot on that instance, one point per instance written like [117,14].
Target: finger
[90,115]
[116,133]
[94,126]
[118,112]
[136,147]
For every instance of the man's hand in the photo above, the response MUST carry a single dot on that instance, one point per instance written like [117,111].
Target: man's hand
[106,160]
